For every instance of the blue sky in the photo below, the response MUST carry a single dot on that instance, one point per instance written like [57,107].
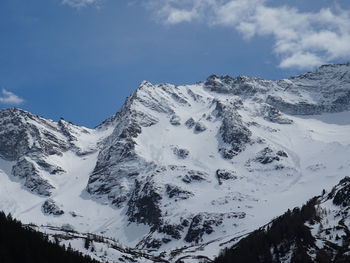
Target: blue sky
[80,59]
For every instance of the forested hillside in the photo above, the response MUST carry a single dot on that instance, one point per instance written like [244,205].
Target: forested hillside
[316,232]
[20,244]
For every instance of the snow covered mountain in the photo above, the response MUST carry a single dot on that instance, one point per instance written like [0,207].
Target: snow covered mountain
[181,171]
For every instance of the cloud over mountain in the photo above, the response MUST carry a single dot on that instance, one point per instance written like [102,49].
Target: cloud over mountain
[9,98]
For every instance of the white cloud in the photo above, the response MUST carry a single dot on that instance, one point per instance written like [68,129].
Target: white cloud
[178,11]
[301,61]
[302,39]
[79,3]
[177,16]
[9,98]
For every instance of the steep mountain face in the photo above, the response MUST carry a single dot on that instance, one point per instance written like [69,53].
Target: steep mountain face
[29,141]
[192,167]
[317,232]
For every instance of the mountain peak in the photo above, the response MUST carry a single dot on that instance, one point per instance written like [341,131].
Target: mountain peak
[145,84]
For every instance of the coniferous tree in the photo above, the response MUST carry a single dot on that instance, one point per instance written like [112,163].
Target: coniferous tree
[21,244]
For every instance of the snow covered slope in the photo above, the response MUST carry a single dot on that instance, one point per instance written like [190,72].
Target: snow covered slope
[182,170]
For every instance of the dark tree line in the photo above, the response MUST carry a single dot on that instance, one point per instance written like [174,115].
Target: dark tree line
[20,244]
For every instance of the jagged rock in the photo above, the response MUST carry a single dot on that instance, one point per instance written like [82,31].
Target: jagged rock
[50,207]
[181,153]
[175,120]
[23,133]
[66,130]
[204,223]
[267,155]
[301,108]
[194,176]
[200,226]
[175,191]
[173,231]
[223,175]
[26,170]
[143,206]
[196,97]
[273,115]
[241,86]
[282,154]
[199,127]
[115,181]
[52,169]
[118,164]
[175,94]
[146,120]
[233,132]
[147,95]
[342,196]
[154,243]
[190,123]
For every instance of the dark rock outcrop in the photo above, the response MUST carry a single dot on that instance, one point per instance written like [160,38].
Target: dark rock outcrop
[224,175]
[33,181]
[50,207]
[143,206]
[174,191]
[181,153]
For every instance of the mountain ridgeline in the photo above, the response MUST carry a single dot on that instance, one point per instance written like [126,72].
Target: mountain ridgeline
[180,171]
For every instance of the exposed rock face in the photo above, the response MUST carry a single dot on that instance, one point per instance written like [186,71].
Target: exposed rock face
[342,194]
[29,141]
[23,133]
[199,127]
[329,84]
[224,175]
[273,115]
[204,223]
[175,120]
[50,168]
[27,171]
[50,207]
[118,164]
[193,176]
[181,153]
[241,86]
[143,206]
[267,155]
[200,225]
[233,132]
[174,191]
[190,123]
